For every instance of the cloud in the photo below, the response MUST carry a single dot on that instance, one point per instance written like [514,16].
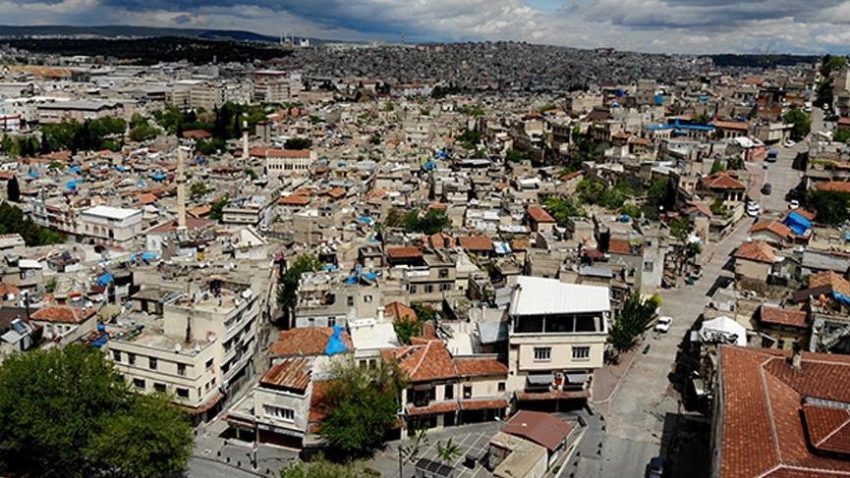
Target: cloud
[675,26]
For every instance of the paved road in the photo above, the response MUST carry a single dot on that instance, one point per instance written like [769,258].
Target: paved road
[200,468]
[637,413]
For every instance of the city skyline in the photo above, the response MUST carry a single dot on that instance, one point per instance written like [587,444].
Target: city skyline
[660,26]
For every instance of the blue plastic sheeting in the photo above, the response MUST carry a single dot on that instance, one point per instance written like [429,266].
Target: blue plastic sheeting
[659,100]
[624,218]
[841,298]
[33,174]
[100,341]
[140,183]
[366,220]
[372,276]
[441,155]
[121,169]
[105,279]
[76,170]
[330,268]
[351,280]
[144,256]
[429,165]
[797,223]
[336,345]
[72,185]
[158,176]
[620,93]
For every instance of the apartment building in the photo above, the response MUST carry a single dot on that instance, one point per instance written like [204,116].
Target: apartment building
[557,334]
[57,112]
[189,94]
[111,225]
[272,86]
[201,346]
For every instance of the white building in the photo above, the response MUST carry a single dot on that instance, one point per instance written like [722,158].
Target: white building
[285,162]
[557,334]
[110,224]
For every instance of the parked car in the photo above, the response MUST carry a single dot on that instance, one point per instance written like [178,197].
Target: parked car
[766,189]
[789,143]
[753,209]
[655,468]
[794,204]
[664,324]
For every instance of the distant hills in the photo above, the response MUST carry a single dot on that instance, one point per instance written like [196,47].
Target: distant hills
[121,31]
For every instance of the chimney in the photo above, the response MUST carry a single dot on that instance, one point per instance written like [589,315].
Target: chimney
[181,193]
[797,357]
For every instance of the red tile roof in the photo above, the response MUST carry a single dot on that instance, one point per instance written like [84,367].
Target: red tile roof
[827,428]
[441,240]
[736,125]
[6,289]
[776,227]
[763,422]
[832,279]
[619,246]
[146,198]
[834,186]
[397,310]
[197,134]
[541,428]
[294,200]
[192,224]
[476,243]
[404,252]
[432,409]
[65,315]
[539,215]
[293,373]
[721,180]
[480,367]
[484,404]
[199,211]
[778,316]
[426,362]
[695,207]
[757,251]
[308,341]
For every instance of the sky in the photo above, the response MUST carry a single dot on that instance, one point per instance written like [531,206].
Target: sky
[662,26]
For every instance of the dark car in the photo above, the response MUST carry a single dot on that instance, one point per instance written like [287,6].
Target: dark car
[766,189]
[655,468]
[794,194]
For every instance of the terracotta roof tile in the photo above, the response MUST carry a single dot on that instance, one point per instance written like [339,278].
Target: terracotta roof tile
[476,243]
[433,408]
[834,186]
[775,227]
[763,426]
[779,316]
[426,362]
[65,315]
[757,251]
[721,180]
[828,428]
[830,279]
[308,341]
[539,215]
[541,428]
[484,404]
[480,367]
[619,246]
[736,125]
[397,310]
[292,373]
[404,252]
[294,200]
[279,153]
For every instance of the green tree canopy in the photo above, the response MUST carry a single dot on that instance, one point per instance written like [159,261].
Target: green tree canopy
[634,319]
[69,413]
[562,208]
[287,288]
[361,406]
[13,190]
[801,123]
[831,206]
[12,220]
[298,143]
[321,469]
[432,222]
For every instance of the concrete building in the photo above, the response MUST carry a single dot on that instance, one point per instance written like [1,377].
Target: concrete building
[557,335]
[111,225]
[285,162]
[57,112]
[272,86]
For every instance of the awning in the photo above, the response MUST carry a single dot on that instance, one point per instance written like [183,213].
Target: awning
[541,379]
[576,378]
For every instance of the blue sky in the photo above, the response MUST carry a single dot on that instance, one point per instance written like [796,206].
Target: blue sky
[671,26]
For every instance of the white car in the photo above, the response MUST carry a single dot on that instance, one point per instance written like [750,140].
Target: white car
[663,324]
[794,204]
[753,209]
[789,143]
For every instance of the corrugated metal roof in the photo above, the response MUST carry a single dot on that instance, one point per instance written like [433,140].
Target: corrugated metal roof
[536,295]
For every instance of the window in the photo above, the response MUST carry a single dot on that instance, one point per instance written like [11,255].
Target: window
[152,363]
[181,369]
[331,321]
[412,289]
[159,387]
[139,383]
[367,299]
[443,273]
[648,266]
[116,355]
[501,386]
[131,359]
[429,288]
[467,391]
[351,301]
[445,287]
[209,364]
[542,353]
[450,392]
[285,414]
[581,353]
[183,392]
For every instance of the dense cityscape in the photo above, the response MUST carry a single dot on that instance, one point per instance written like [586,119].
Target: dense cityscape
[316,259]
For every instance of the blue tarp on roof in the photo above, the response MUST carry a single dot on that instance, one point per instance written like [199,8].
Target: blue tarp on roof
[144,256]
[72,184]
[797,223]
[121,169]
[429,165]
[366,220]
[336,345]
[33,174]
[659,100]
[351,280]
[75,170]
[372,276]
[158,176]
[105,279]
[841,298]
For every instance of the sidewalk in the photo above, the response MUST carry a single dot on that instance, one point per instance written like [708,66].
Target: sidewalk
[210,445]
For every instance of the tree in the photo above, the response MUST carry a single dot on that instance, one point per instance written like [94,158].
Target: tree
[432,222]
[563,208]
[635,318]
[841,135]
[680,228]
[12,220]
[298,143]
[395,217]
[288,284]
[717,166]
[361,406]
[406,328]
[13,190]
[830,206]
[448,452]
[217,209]
[198,189]
[105,429]
[321,469]
[143,132]
[514,156]
[801,123]
[252,175]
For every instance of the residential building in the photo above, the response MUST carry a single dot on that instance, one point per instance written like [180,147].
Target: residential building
[557,335]
[756,260]
[57,112]
[285,162]
[111,225]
